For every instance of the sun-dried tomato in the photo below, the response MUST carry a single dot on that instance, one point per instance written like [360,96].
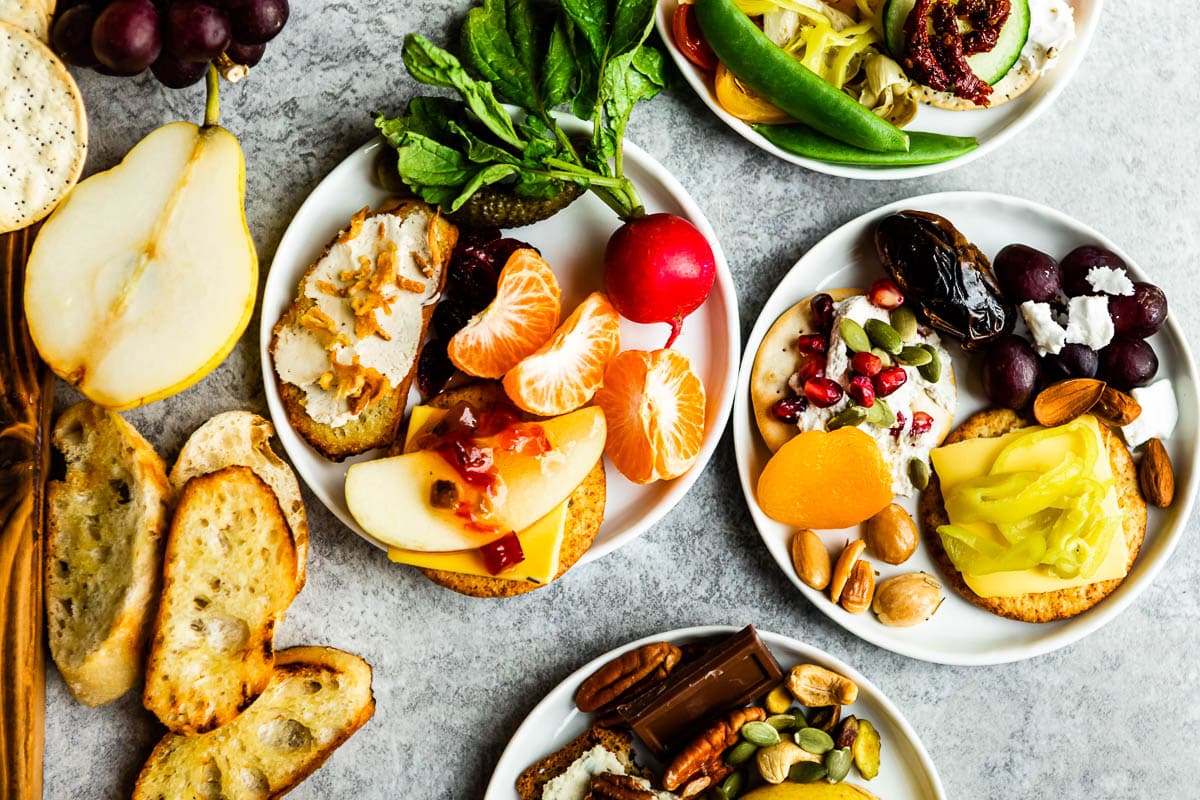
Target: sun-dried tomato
[948,44]
[920,60]
[939,59]
[987,17]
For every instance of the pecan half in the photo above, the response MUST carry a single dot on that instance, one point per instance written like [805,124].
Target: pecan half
[650,662]
[608,786]
[702,758]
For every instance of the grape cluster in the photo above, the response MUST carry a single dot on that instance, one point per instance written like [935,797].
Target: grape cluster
[176,39]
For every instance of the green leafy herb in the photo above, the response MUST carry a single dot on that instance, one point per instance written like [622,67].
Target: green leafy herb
[589,54]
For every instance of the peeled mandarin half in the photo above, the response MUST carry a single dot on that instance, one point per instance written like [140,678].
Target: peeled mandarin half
[825,480]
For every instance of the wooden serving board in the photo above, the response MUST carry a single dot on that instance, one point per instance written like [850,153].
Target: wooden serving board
[26,397]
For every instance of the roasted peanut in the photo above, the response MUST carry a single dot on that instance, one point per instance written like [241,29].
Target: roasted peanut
[856,597]
[841,571]
[811,559]
[906,600]
[891,535]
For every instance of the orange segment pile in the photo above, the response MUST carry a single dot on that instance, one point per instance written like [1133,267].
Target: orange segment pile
[654,405]
[822,480]
[515,324]
[568,369]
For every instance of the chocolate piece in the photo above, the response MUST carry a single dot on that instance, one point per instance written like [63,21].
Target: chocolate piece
[731,673]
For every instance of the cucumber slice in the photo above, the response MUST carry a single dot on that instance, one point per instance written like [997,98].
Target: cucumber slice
[991,66]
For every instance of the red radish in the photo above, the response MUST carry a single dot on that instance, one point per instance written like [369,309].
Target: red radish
[658,268]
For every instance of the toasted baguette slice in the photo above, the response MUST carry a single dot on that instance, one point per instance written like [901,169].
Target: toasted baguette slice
[104,551]
[241,438]
[301,355]
[317,698]
[533,780]
[229,574]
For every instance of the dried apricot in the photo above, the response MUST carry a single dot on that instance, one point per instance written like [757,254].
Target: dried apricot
[825,480]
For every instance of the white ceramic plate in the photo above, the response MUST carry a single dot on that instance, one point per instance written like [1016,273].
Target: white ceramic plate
[960,633]
[905,769]
[572,241]
[992,127]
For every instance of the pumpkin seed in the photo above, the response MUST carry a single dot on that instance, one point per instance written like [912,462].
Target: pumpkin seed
[760,733]
[932,371]
[882,355]
[918,473]
[880,414]
[914,356]
[814,740]
[838,763]
[883,336]
[807,772]
[733,785]
[905,322]
[847,418]
[854,336]
[741,753]
[782,722]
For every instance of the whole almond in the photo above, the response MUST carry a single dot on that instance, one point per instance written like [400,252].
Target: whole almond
[1156,476]
[811,559]
[843,568]
[1116,407]
[860,589]
[1061,402]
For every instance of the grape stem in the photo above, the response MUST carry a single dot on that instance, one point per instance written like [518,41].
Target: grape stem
[212,107]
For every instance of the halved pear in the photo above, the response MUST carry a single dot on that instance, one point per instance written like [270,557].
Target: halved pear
[141,282]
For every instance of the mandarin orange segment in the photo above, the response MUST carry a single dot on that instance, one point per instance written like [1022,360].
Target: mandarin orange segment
[515,324]
[825,481]
[654,405]
[568,369]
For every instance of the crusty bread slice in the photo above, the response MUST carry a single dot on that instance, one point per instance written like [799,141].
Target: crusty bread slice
[376,426]
[229,574]
[242,438]
[317,698]
[103,552]
[533,780]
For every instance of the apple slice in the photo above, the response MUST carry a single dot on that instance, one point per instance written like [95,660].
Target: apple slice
[141,282]
[390,497]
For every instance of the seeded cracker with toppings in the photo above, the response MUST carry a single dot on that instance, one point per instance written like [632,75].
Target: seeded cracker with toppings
[346,349]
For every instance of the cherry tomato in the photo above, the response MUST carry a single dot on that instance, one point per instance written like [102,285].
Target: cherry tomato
[690,40]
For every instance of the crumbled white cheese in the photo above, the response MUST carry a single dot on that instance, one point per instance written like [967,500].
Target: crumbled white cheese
[572,783]
[1051,28]
[1088,322]
[1160,414]
[1048,336]
[1110,280]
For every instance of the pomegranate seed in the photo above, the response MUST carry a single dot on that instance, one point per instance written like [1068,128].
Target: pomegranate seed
[810,366]
[922,423]
[862,391]
[867,364]
[822,310]
[899,427]
[789,409]
[884,293]
[889,380]
[502,553]
[812,343]
[822,392]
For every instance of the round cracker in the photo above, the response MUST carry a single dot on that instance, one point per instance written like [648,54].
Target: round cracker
[1043,606]
[29,15]
[1011,86]
[43,130]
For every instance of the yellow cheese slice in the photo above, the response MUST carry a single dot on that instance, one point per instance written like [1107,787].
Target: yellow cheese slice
[541,541]
[956,463]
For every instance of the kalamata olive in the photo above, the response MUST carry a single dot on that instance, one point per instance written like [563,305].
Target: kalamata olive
[1128,363]
[1080,261]
[1073,361]
[1141,314]
[1027,274]
[1011,372]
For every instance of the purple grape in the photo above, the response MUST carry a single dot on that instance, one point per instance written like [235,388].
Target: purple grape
[176,74]
[71,36]
[196,31]
[1011,372]
[433,368]
[258,21]
[1073,361]
[245,54]
[1080,261]
[1141,314]
[1027,274]
[126,36]
[1128,363]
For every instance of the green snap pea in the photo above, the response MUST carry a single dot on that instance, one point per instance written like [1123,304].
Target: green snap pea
[781,79]
[923,148]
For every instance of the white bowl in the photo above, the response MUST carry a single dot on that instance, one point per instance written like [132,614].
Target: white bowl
[573,242]
[993,127]
[960,633]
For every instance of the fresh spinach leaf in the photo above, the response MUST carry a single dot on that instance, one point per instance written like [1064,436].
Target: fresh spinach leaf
[630,26]
[559,69]
[479,150]
[495,56]
[591,19]
[430,168]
